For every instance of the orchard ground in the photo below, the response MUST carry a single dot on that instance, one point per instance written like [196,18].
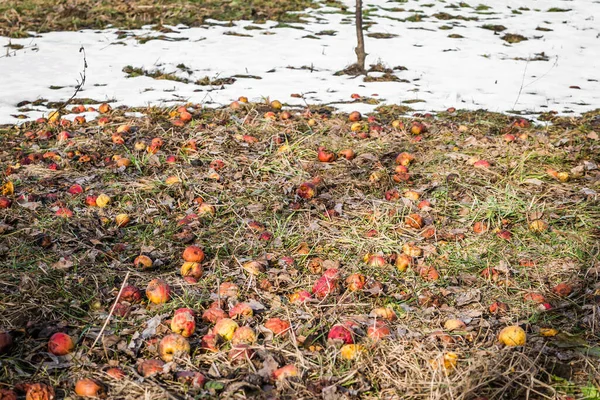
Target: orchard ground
[499,213]
[62,271]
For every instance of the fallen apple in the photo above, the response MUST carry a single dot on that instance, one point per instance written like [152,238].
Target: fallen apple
[228,290]
[194,379]
[192,269]
[130,294]
[355,282]
[277,326]
[213,315]
[172,347]
[60,344]
[378,330]
[158,291]
[143,262]
[307,190]
[414,221]
[243,335]
[325,155]
[184,322]
[102,200]
[148,368]
[90,388]
[301,296]
[340,334]
[241,310]
[326,284]
[7,394]
[5,202]
[115,373]
[512,336]
[285,372]
[354,116]
[225,328]
[209,343]
[193,254]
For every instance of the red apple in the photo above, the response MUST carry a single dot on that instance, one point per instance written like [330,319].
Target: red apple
[212,315]
[340,334]
[60,344]
[5,202]
[300,296]
[325,155]
[183,322]
[115,373]
[354,116]
[355,282]
[150,367]
[277,326]
[326,284]
[242,310]
[130,294]
[209,343]
[193,254]
[377,331]
[75,189]
[194,379]
[158,291]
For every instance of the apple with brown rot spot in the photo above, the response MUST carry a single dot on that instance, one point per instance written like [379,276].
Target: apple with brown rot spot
[183,322]
[148,368]
[130,294]
[158,291]
[243,335]
[241,310]
[173,346]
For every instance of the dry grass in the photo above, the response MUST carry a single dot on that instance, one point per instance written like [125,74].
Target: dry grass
[21,16]
[63,274]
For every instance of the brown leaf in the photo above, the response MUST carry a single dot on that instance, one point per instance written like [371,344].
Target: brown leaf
[62,264]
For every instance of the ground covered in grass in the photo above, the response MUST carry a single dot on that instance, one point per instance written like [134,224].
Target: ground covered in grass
[22,16]
[418,240]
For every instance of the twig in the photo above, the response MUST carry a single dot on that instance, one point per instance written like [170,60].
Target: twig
[79,85]
[521,88]
[110,313]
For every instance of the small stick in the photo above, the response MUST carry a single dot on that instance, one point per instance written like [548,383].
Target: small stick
[111,312]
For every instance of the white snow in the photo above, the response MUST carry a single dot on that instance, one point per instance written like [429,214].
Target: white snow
[479,71]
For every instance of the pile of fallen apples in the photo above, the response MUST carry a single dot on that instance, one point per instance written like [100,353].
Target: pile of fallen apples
[227,319]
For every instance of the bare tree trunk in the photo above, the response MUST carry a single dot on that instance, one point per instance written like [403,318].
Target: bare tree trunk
[360,39]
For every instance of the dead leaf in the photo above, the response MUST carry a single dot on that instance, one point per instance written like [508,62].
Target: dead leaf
[62,264]
[269,365]
[533,181]
[151,326]
[467,297]
[8,189]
